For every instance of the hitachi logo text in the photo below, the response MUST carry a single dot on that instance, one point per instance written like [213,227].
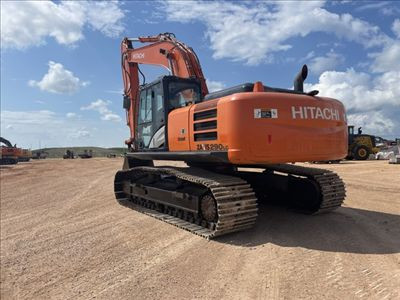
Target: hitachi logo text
[138,56]
[312,112]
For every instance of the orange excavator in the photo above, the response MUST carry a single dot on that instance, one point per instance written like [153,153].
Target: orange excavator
[249,126]
[9,154]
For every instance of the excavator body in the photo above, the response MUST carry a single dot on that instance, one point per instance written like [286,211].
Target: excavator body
[250,125]
[238,126]
[255,128]
[10,154]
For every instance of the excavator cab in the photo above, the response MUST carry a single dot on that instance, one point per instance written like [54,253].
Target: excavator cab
[156,100]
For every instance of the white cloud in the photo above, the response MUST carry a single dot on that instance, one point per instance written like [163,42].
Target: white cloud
[79,134]
[369,101]
[58,80]
[390,11]
[388,59]
[309,55]
[50,129]
[253,33]
[214,86]
[29,118]
[374,122]
[359,91]
[30,23]
[119,92]
[70,115]
[330,61]
[101,106]
[396,27]
[105,16]
[111,117]
[373,6]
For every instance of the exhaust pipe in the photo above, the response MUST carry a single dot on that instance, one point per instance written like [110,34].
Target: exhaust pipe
[299,79]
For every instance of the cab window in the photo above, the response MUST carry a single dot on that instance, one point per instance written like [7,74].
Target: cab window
[182,94]
[146,113]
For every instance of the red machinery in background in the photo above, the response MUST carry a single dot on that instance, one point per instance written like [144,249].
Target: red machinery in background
[9,154]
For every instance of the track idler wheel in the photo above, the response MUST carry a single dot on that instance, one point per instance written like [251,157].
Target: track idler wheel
[208,208]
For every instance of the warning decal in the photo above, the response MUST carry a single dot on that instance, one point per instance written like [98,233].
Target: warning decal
[265,113]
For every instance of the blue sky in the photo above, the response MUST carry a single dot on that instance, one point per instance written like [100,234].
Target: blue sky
[60,61]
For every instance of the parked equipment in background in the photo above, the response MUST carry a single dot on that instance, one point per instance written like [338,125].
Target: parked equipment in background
[68,154]
[86,154]
[390,152]
[249,125]
[360,145]
[9,154]
[396,158]
[111,155]
[26,155]
[382,143]
[39,154]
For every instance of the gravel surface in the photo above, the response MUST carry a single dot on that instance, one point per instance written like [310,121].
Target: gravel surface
[64,236]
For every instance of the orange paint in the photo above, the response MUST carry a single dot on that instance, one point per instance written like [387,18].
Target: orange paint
[249,138]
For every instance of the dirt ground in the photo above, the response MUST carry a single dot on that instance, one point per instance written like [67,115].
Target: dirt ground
[64,236]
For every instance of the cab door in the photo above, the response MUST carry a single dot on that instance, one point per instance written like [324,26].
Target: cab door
[151,118]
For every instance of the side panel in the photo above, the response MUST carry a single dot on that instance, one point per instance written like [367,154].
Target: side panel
[178,129]
[261,128]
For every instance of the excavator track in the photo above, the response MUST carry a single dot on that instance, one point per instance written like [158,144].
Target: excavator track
[331,187]
[235,200]
[235,196]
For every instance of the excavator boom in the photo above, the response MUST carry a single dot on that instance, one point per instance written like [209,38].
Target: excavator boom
[162,50]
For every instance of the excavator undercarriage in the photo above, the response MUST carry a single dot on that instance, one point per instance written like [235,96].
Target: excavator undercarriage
[210,204]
